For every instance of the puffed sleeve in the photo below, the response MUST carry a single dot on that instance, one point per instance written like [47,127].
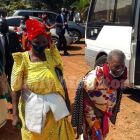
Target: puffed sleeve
[57,57]
[17,72]
[93,80]
[90,81]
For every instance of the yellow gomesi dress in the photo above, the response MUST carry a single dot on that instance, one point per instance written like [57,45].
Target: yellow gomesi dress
[40,77]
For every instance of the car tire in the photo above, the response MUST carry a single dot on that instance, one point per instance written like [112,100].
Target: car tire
[55,40]
[76,34]
[101,60]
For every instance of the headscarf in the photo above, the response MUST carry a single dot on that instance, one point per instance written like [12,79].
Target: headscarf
[108,75]
[36,28]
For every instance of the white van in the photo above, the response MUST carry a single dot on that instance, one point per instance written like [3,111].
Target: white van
[114,24]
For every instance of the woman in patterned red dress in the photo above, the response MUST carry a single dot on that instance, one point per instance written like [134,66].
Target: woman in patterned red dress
[98,97]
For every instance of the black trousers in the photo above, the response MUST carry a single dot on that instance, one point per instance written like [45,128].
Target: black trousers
[62,43]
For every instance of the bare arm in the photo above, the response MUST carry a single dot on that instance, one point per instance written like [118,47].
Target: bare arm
[15,101]
[52,26]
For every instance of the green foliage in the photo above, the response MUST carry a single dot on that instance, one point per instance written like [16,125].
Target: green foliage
[16,5]
[82,7]
[54,5]
[2,4]
[81,4]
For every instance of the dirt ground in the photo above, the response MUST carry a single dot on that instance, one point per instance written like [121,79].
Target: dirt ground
[128,123]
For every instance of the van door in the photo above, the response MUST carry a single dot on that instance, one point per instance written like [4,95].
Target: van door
[135,50]
[137,61]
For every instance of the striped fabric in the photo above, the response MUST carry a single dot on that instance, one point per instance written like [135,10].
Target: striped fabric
[40,77]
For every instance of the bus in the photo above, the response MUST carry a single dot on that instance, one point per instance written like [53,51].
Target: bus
[114,24]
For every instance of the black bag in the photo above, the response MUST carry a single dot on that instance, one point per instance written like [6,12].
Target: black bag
[63,82]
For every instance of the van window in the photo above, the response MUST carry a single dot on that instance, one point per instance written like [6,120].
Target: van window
[25,13]
[104,11]
[112,11]
[123,11]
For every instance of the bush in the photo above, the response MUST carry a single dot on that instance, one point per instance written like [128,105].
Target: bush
[16,5]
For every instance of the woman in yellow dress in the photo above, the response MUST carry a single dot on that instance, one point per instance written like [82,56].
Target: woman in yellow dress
[38,96]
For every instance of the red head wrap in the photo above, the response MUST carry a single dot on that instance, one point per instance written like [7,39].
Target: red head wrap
[35,28]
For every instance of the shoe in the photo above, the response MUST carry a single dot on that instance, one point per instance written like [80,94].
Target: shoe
[66,54]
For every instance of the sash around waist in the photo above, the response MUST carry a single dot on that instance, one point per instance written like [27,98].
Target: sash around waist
[37,106]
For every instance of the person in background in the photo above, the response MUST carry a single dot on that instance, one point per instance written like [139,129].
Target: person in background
[77,17]
[24,39]
[3,88]
[10,43]
[2,58]
[37,90]
[98,97]
[22,26]
[61,26]
[72,14]
[47,24]
[66,14]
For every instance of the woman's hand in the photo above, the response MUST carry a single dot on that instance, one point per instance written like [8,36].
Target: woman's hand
[16,121]
[96,130]
[15,100]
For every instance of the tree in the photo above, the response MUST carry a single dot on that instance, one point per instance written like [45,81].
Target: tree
[82,7]
[54,5]
[16,4]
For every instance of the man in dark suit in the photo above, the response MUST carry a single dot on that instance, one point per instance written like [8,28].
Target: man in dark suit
[2,60]
[61,26]
[10,43]
[3,103]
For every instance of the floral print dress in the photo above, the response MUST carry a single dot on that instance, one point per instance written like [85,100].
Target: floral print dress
[97,105]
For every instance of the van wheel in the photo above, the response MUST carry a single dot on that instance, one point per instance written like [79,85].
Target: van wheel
[100,61]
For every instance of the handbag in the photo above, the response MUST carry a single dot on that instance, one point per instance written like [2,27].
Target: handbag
[63,83]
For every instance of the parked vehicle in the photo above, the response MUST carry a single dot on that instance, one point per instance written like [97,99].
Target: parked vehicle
[14,22]
[75,29]
[112,25]
[37,13]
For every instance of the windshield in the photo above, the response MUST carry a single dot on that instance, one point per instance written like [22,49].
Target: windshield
[108,11]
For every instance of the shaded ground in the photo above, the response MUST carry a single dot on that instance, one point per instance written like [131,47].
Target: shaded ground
[75,67]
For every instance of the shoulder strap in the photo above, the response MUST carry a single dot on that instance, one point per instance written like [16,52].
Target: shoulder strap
[63,83]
